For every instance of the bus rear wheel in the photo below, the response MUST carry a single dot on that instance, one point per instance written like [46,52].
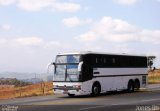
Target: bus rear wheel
[137,84]
[96,89]
[130,86]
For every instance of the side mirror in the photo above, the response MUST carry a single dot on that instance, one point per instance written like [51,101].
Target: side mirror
[51,64]
[80,66]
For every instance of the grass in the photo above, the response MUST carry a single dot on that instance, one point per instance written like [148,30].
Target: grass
[154,77]
[44,88]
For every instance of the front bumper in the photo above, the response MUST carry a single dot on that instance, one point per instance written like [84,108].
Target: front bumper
[69,90]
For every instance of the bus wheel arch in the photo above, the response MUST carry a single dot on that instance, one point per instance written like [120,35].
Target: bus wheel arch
[130,87]
[71,95]
[137,84]
[96,88]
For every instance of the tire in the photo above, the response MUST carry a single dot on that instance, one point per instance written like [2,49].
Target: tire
[71,95]
[96,89]
[137,85]
[130,86]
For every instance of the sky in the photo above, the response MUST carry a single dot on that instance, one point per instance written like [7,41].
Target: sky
[33,32]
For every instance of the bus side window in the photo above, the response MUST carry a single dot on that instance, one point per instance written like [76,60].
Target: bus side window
[96,60]
[104,60]
[113,60]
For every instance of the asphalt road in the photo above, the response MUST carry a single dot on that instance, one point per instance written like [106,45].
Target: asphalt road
[116,101]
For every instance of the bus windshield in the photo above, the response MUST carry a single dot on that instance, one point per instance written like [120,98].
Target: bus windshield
[67,68]
[66,73]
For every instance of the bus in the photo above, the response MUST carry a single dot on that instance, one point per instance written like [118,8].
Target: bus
[93,73]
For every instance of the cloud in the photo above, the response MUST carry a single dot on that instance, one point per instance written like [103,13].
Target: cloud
[34,5]
[5,27]
[125,2]
[119,48]
[67,7]
[7,2]
[119,31]
[152,36]
[28,54]
[29,41]
[75,21]
[38,5]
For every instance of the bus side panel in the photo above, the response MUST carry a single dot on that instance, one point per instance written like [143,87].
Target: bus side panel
[118,78]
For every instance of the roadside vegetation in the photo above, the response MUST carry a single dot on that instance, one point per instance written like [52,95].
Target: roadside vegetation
[11,91]
[154,76]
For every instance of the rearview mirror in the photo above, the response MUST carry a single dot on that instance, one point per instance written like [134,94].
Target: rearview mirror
[80,66]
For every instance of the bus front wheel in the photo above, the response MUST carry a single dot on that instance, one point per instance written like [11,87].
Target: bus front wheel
[96,89]
[71,95]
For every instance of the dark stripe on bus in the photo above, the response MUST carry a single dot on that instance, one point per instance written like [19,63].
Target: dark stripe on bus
[120,75]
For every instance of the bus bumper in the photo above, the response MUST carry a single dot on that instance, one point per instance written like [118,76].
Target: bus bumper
[69,90]
[76,92]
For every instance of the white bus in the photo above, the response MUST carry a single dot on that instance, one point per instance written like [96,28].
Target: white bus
[94,73]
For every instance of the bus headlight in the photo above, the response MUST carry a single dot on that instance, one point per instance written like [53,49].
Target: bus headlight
[77,87]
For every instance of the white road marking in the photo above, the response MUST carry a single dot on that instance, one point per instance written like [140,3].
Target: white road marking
[91,108]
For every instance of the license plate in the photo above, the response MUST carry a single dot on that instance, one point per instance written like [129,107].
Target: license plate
[59,91]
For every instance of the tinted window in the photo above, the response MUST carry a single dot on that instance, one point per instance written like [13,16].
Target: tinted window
[68,59]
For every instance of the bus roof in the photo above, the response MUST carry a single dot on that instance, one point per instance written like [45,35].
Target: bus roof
[91,52]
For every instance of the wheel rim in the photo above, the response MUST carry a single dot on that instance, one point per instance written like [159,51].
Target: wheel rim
[96,90]
[131,87]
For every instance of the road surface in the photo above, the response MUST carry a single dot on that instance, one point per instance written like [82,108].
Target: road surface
[144,100]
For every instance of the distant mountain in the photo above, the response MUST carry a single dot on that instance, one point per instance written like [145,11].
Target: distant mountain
[28,77]
[17,75]
[33,80]
[49,78]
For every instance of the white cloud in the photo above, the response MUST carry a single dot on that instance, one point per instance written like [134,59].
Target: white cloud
[119,31]
[34,5]
[67,7]
[125,2]
[89,36]
[119,48]
[75,21]
[152,36]
[5,27]
[29,41]
[37,5]
[7,2]
[28,54]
